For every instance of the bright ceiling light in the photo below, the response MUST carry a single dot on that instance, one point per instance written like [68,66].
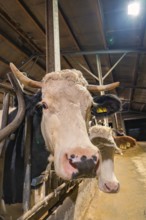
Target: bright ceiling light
[134,8]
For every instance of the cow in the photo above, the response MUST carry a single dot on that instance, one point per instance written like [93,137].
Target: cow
[101,136]
[65,104]
[64,99]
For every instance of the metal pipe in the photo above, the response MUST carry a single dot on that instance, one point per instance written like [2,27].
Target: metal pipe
[4,122]
[103,52]
[114,66]
[52,36]
[88,71]
[99,73]
[41,204]
[56,35]
[27,164]
[101,82]
[5,132]
[5,112]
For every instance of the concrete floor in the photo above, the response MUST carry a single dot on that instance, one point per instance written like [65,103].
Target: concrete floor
[130,202]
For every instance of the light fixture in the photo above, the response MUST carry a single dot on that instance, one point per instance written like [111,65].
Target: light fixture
[133,8]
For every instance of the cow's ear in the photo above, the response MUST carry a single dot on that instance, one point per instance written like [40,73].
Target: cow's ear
[105,105]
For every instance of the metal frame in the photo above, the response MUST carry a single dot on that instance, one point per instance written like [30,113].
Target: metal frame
[103,52]
[4,122]
[7,129]
[101,82]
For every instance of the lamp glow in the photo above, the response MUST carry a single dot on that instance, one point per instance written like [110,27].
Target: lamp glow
[134,8]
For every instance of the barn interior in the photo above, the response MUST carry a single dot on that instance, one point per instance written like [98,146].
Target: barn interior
[107,44]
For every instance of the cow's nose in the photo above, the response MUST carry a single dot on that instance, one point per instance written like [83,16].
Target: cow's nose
[112,187]
[85,166]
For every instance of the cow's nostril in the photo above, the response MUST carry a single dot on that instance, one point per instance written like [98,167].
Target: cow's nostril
[72,156]
[83,158]
[94,158]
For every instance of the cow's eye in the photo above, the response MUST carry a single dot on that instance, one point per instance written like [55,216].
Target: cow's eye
[44,105]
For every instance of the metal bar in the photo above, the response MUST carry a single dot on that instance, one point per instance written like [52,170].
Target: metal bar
[4,116]
[52,36]
[114,66]
[103,52]
[50,66]
[99,73]
[41,204]
[5,132]
[56,35]
[101,82]
[88,71]
[27,164]
[4,122]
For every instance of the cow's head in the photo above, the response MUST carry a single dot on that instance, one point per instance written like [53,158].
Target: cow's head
[66,103]
[101,136]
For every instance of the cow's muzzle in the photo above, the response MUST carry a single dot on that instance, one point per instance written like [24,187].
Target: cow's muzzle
[85,167]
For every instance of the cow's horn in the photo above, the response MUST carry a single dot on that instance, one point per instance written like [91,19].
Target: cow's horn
[24,79]
[103,87]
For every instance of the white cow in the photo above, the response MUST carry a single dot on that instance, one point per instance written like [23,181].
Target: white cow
[101,136]
[66,103]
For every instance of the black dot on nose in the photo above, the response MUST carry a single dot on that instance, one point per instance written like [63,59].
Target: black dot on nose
[72,156]
[83,157]
[94,158]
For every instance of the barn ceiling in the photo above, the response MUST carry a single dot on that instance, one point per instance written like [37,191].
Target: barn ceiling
[85,26]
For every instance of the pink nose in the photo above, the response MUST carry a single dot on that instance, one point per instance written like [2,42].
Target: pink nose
[112,187]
